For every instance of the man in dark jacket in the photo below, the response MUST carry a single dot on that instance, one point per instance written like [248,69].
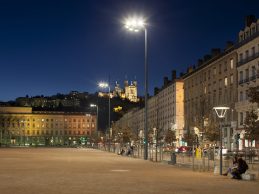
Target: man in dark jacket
[242,167]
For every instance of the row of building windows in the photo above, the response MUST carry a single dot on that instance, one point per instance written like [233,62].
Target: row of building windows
[242,116]
[208,74]
[47,120]
[54,132]
[249,32]
[249,74]
[249,53]
[8,124]
[214,98]
[243,95]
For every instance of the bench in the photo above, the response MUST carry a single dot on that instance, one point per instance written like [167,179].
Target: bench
[248,176]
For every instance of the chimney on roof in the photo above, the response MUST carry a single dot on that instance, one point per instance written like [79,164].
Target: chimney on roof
[156,90]
[173,75]
[229,44]
[199,62]
[166,81]
[215,52]
[206,58]
[189,69]
[249,20]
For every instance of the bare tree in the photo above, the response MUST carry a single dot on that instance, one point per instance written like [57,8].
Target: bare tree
[251,126]
[170,137]
[253,94]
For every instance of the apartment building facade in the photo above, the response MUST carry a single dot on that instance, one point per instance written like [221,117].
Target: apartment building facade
[22,126]
[211,84]
[165,111]
[248,72]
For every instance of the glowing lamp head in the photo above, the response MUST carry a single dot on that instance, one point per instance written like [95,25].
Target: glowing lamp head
[103,85]
[134,24]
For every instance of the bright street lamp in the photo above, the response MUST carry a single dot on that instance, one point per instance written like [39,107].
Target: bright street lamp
[135,24]
[221,112]
[97,114]
[106,85]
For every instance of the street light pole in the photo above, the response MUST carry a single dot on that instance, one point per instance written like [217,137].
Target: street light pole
[109,122]
[135,25]
[221,158]
[146,98]
[107,85]
[221,112]
[97,114]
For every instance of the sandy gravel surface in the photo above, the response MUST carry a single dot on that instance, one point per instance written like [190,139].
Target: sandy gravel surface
[76,171]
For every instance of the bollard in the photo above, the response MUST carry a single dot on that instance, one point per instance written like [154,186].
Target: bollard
[173,159]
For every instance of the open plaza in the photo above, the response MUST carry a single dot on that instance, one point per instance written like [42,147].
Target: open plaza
[82,170]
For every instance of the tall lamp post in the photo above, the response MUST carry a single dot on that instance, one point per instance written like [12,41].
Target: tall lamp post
[221,112]
[97,114]
[135,25]
[106,85]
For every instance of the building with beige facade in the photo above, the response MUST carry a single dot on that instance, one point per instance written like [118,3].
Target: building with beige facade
[212,83]
[22,126]
[248,72]
[165,111]
[223,79]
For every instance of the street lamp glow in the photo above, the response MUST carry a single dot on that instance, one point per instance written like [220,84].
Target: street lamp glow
[221,111]
[93,105]
[134,24]
[103,85]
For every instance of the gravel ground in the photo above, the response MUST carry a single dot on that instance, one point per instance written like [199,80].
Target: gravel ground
[76,171]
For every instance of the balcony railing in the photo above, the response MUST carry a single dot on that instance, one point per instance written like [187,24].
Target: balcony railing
[247,59]
[246,80]
[253,77]
[241,81]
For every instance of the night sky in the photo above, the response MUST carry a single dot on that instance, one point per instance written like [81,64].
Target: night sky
[50,46]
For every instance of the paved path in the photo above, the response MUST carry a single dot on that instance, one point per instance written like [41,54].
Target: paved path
[76,171]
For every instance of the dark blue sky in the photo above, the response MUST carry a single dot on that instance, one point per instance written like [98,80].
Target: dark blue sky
[50,46]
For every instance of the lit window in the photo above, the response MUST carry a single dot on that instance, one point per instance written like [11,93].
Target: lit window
[226,81]
[231,63]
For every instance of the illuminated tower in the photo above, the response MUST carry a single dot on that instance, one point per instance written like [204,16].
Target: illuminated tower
[131,91]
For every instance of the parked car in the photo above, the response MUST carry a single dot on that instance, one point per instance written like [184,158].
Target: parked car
[183,149]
